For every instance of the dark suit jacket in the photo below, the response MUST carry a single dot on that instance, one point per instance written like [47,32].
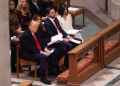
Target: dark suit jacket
[28,45]
[34,10]
[44,35]
[51,28]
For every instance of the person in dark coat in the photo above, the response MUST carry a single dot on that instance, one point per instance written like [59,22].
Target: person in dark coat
[15,33]
[47,3]
[47,39]
[32,48]
[35,7]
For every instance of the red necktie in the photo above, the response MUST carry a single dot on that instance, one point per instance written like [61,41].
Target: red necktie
[58,27]
[38,44]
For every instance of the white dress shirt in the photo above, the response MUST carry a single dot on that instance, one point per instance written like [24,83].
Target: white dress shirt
[54,24]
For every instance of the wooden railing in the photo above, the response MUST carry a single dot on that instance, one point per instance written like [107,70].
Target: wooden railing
[100,60]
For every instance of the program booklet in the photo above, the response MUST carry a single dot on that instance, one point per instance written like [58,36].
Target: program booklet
[73,32]
[55,39]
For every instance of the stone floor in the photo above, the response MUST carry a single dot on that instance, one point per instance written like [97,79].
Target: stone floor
[95,20]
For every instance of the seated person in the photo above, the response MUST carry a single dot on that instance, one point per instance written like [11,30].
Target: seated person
[47,3]
[15,27]
[32,48]
[47,39]
[35,7]
[23,14]
[13,43]
[65,20]
[15,32]
[53,28]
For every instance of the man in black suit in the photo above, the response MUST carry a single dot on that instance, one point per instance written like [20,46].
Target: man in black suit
[36,7]
[53,28]
[32,48]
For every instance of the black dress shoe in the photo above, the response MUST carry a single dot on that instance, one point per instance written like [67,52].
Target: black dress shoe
[56,73]
[45,81]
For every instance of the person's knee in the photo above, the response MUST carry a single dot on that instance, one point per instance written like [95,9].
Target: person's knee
[70,46]
[55,50]
[43,57]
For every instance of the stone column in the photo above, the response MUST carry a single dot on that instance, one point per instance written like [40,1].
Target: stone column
[101,3]
[5,73]
[109,6]
[115,9]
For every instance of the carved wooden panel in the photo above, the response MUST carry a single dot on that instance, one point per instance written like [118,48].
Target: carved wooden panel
[111,33]
[88,48]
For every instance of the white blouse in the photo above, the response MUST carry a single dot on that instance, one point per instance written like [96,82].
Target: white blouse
[66,25]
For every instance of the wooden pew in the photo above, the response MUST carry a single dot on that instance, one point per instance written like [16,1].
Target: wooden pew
[75,77]
[100,58]
[108,32]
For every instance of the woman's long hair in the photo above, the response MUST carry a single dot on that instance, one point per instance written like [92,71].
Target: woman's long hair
[35,19]
[25,9]
[62,9]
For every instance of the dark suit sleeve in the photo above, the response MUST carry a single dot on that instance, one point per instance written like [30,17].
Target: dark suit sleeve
[47,40]
[31,11]
[48,29]
[26,44]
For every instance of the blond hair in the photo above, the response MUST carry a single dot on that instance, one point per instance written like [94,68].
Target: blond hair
[25,9]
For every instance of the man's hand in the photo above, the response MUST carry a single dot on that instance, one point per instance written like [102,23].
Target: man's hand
[16,39]
[46,50]
[43,18]
[68,37]
[44,53]
[66,40]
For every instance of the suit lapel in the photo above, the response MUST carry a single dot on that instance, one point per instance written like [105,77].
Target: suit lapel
[32,38]
[34,7]
[55,29]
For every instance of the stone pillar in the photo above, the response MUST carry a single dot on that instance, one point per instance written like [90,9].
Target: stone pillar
[109,6]
[5,73]
[115,9]
[101,3]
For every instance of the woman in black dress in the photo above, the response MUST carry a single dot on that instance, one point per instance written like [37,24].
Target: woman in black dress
[46,39]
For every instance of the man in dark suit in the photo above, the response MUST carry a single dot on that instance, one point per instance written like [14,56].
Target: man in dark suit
[53,28]
[32,48]
[36,7]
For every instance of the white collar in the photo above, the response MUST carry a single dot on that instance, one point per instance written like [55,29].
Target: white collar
[51,19]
